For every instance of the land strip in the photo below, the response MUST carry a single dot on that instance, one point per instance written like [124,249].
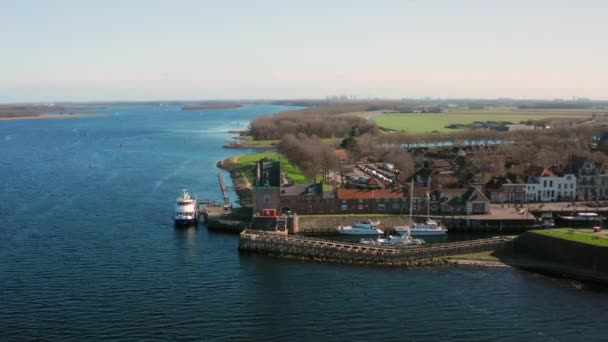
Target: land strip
[50,116]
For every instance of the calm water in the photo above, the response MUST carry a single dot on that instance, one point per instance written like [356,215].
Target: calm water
[88,252]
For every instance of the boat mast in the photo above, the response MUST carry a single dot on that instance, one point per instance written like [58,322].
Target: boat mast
[411,199]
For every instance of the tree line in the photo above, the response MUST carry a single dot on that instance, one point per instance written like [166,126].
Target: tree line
[327,121]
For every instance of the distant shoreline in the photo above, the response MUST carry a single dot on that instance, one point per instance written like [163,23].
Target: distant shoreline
[212,106]
[48,116]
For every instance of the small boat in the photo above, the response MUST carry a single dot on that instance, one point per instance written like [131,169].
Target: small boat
[582,217]
[546,220]
[392,240]
[429,227]
[186,209]
[365,227]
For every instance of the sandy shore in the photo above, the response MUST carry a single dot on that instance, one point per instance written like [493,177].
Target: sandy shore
[48,116]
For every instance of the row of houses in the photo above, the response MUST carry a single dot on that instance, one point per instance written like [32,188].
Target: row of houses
[585,180]
[312,199]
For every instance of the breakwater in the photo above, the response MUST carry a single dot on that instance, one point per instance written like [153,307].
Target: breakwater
[260,242]
[558,256]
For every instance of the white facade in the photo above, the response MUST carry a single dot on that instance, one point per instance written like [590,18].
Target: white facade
[552,188]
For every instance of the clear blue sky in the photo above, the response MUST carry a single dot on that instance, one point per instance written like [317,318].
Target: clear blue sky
[138,50]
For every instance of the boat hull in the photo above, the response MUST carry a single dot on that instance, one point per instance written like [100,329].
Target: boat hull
[421,232]
[354,231]
[184,222]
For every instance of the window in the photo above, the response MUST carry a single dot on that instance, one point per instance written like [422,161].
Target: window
[559,186]
[360,206]
[360,201]
[544,184]
[344,207]
[381,206]
[571,185]
[395,205]
[550,184]
[266,198]
[568,177]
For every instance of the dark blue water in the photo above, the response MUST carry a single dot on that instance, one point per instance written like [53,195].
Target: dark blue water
[88,252]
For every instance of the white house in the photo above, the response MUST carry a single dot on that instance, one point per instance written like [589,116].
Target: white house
[545,186]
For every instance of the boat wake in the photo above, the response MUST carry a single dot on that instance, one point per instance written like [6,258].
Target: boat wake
[181,167]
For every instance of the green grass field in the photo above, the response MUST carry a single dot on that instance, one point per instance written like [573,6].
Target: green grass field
[578,235]
[428,122]
[243,164]
[248,141]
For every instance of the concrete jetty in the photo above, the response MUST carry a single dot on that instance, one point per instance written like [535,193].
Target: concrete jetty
[268,243]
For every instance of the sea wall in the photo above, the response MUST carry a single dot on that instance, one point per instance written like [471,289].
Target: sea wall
[569,256]
[260,242]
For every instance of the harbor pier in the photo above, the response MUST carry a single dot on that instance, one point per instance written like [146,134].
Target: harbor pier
[289,246]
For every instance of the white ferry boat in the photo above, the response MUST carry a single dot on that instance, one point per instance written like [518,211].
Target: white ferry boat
[186,209]
[365,227]
[430,227]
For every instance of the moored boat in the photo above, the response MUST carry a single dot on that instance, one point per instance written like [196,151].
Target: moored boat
[392,240]
[186,209]
[584,219]
[365,227]
[429,227]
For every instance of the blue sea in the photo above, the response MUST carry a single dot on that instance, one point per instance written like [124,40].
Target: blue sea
[88,252]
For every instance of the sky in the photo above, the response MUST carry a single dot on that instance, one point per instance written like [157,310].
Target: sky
[76,50]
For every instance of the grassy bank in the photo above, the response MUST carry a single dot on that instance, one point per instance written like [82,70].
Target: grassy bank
[247,141]
[577,235]
[243,164]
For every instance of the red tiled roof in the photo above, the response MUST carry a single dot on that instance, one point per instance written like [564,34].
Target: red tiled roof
[540,171]
[547,173]
[369,194]
[341,153]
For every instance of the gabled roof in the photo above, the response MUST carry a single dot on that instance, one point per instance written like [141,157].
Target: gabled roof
[345,194]
[472,194]
[539,171]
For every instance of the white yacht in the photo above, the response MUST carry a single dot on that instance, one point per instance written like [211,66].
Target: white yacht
[186,209]
[402,240]
[365,227]
[429,227]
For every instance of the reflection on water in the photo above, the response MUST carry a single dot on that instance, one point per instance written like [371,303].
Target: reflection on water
[428,239]
[186,241]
